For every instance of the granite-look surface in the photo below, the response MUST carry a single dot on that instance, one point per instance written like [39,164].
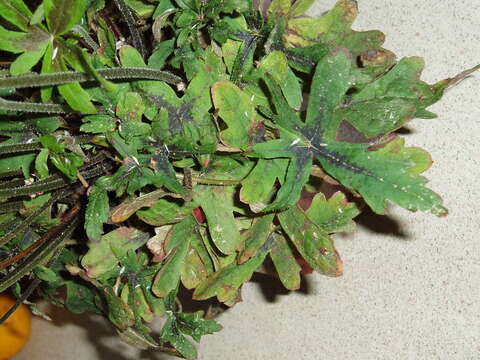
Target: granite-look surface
[411,288]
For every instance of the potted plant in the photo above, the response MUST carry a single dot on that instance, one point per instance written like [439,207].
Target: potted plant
[156,146]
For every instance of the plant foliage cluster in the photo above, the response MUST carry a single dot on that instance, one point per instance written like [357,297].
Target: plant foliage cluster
[148,145]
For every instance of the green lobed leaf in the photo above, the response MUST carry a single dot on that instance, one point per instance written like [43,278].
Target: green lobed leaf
[225,283]
[16,12]
[384,174]
[172,335]
[217,204]
[258,186]
[256,236]
[333,215]
[98,124]
[275,64]
[237,111]
[195,325]
[105,254]
[177,245]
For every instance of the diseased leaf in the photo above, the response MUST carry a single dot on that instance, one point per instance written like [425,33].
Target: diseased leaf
[311,241]
[300,7]
[285,263]
[79,298]
[118,311]
[123,211]
[256,236]
[279,7]
[194,270]
[27,60]
[61,15]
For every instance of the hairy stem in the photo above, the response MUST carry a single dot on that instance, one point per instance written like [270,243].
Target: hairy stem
[127,15]
[121,73]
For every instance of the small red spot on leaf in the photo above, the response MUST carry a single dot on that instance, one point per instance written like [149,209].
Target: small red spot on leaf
[199,215]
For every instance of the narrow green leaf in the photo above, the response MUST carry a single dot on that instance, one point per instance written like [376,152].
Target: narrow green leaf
[97,211]
[11,40]
[77,98]
[16,12]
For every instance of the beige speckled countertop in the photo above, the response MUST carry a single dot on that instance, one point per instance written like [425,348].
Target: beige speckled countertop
[411,288]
